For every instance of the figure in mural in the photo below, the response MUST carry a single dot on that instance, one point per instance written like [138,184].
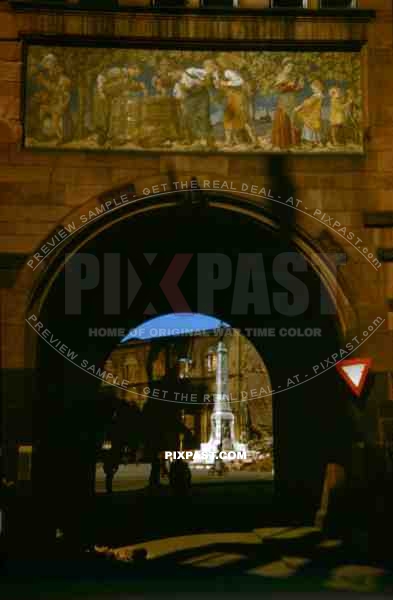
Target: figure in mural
[353,117]
[309,114]
[237,108]
[52,98]
[193,90]
[284,131]
[162,81]
[179,93]
[341,116]
[115,90]
[101,109]
[61,100]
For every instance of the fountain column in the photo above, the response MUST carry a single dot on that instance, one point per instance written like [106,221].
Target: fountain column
[222,418]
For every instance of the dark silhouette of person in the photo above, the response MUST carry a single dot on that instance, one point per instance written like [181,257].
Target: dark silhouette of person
[155,470]
[111,464]
[180,477]
[164,472]
[219,463]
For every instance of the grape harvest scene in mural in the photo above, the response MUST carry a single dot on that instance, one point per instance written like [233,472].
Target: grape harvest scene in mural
[163,100]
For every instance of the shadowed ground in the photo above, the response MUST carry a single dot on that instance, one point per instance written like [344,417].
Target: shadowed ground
[224,538]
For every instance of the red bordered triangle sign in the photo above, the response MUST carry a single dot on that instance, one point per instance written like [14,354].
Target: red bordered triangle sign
[354,371]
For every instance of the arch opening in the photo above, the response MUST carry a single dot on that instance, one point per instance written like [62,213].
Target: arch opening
[153,242]
[177,389]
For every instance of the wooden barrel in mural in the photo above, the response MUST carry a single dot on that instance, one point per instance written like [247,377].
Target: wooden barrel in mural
[159,121]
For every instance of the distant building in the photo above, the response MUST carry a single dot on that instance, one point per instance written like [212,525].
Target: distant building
[143,362]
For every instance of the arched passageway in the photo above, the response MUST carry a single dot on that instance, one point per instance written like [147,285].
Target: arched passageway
[200,259]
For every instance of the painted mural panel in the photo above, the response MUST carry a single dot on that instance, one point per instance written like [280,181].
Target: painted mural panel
[164,100]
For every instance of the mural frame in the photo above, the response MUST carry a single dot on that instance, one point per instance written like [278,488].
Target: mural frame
[214,45]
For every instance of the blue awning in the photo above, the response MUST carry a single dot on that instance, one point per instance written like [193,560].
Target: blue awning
[175,324]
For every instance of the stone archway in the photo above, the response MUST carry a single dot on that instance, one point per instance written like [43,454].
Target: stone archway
[306,236]
[298,471]
[29,284]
